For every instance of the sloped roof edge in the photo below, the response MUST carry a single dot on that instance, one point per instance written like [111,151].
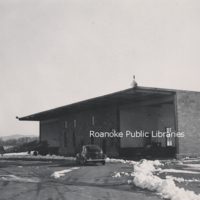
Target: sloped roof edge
[100,100]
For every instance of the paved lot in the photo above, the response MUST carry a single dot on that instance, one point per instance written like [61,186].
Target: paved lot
[23,180]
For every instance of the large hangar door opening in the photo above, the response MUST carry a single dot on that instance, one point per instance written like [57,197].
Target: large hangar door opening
[49,131]
[136,119]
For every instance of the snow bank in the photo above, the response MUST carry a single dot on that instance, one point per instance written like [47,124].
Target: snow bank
[144,178]
[26,155]
[16,154]
[58,174]
[112,160]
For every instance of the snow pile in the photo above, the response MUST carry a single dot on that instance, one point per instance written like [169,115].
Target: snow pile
[113,160]
[145,179]
[118,174]
[16,154]
[177,179]
[58,174]
[26,155]
[56,157]
[124,173]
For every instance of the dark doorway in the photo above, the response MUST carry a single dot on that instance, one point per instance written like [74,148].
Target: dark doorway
[148,139]
[104,146]
[74,139]
[82,143]
[92,139]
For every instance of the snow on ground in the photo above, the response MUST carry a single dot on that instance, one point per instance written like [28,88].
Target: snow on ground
[191,167]
[16,154]
[197,166]
[176,171]
[118,174]
[26,155]
[189,158]
[113,160]
[143,174]
[58,174]
[18,179]
[145,179]
[180,179]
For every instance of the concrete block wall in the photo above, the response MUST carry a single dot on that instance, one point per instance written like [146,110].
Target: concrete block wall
[105,120]
[188,114]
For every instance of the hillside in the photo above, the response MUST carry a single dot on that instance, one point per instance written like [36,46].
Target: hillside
[16,136]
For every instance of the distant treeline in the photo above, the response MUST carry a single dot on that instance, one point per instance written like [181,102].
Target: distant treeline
[12,142]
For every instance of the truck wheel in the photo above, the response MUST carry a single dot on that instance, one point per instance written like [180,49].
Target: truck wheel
[103,163]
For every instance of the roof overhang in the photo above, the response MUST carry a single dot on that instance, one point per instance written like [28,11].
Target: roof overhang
[137,96]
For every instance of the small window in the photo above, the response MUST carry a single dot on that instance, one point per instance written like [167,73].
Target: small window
[92,121]
[169,137]
[65,124]
[74,123]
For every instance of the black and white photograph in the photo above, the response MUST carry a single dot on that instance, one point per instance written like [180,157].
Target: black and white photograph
[99,100]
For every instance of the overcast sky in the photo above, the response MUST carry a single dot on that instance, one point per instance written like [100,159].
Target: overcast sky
[56,52]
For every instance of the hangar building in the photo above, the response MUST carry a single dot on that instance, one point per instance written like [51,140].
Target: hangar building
[143,110]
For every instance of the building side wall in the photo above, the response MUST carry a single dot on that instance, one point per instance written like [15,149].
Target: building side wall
[188,114]
[72,138]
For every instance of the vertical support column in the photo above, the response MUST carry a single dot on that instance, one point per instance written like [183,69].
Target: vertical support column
[40,131]
[176,122]
[118,128]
